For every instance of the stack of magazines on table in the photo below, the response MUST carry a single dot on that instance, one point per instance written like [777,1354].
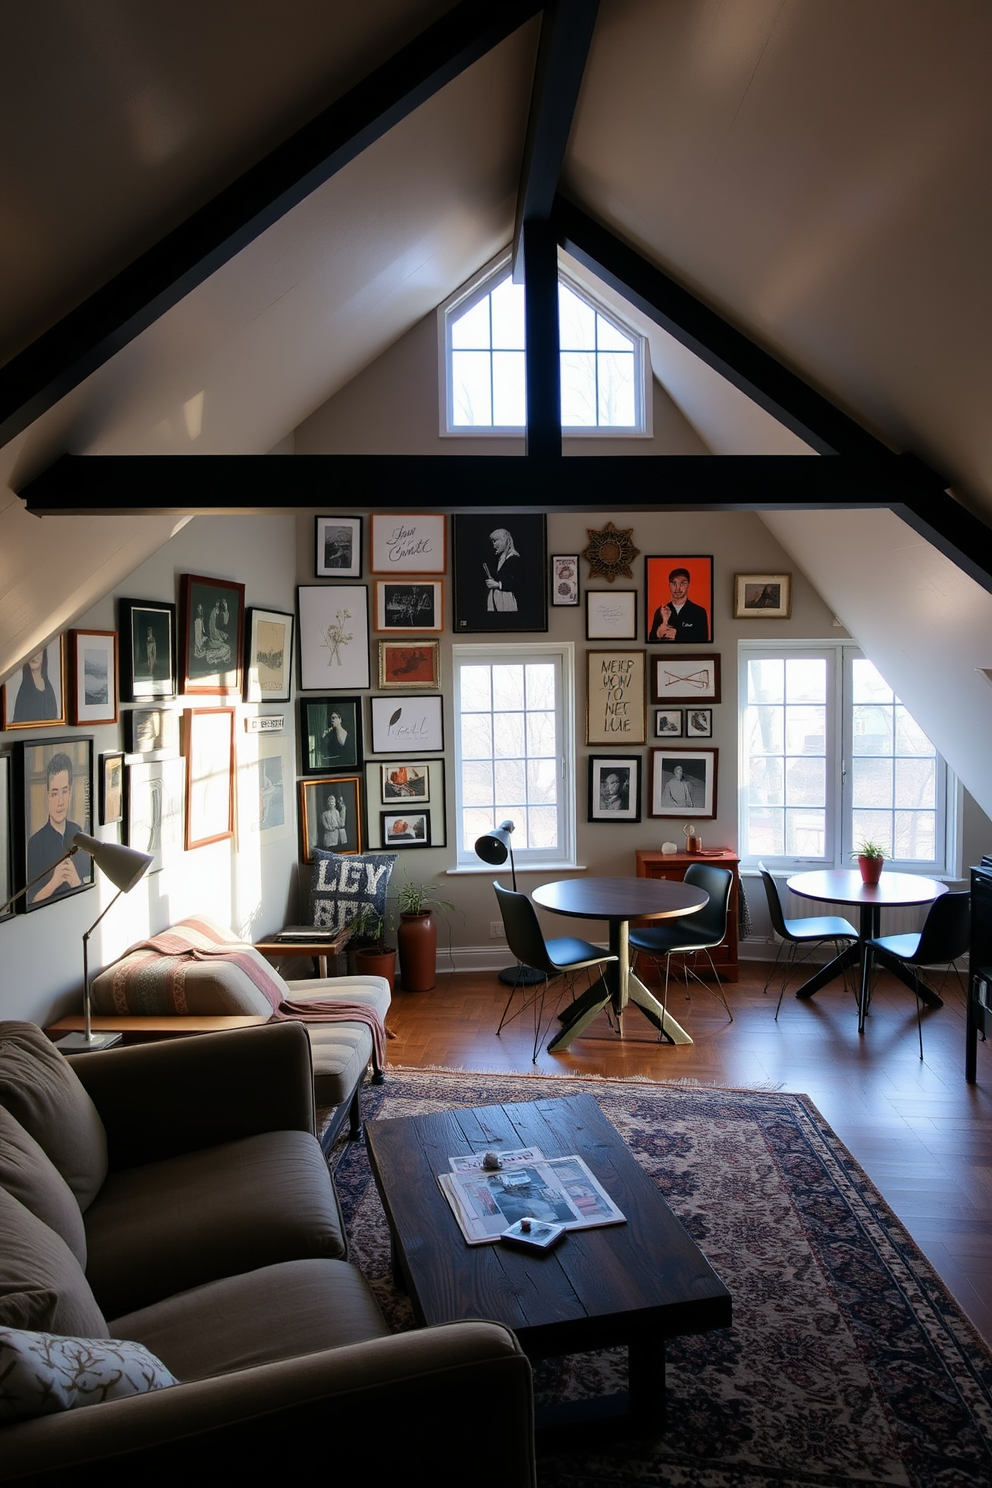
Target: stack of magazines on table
[558,1193]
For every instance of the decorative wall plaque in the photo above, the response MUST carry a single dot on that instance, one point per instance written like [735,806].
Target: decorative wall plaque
[610,553]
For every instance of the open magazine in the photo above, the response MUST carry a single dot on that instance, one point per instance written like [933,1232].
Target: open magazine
[555,1190]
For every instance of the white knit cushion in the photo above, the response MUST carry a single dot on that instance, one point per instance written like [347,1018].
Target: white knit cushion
[44,1373]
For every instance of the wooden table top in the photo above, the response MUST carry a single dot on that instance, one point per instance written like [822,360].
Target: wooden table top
[620,898]
[846,886]
[643,1280]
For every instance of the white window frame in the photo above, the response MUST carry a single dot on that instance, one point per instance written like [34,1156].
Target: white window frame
[562,655]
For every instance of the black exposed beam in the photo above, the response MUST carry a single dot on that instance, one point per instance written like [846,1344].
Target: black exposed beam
[566,33]
[541,356]
[94,331]
[773,387]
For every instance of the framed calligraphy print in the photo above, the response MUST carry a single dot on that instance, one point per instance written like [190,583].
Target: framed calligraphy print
[615,711]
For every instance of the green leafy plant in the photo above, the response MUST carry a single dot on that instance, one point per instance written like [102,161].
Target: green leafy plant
[369,930]
[868,849]
[419,898]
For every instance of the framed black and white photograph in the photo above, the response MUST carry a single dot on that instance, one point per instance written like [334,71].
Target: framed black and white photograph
[678,594]
[337,547]
[405,828]
[93,676]
[268,656]
[615,712]
[668,723]
[213,617]
[331,815]
[408,664]
[208,744]
[611,615]
[6,888]
[154,802]
[152,732]
[405,783]
[111,788]
[408,544]
[614,788]
[53,801]
[147,629]
[404,725]
[699,723]
[330,734]
[683,782]
[334,636]
[409,605]
[500,572]
[686,679]
[762,596]
[35,697]
[564,579]
[402,785]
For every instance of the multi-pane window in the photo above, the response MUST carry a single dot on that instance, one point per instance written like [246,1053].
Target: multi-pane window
[784,744]
[512,741]
[894,771]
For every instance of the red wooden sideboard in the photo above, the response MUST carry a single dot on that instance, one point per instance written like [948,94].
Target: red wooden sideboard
[651,864]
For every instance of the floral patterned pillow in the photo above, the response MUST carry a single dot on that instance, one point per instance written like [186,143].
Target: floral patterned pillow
[43,1373]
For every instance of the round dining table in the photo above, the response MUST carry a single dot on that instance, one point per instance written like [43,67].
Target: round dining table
[846,886]
[618,901]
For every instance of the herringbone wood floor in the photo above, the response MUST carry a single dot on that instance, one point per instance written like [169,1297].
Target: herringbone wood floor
[923,1135]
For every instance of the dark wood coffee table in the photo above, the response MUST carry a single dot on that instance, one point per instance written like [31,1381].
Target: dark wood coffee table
[634,1284]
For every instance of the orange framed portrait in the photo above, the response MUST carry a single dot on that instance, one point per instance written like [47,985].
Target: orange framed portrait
[678,607]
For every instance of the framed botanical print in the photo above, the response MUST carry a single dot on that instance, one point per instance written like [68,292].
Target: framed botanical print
[405,828]
[147,630]
[334,636]
[564,579]
[54,793]
[614,788]
[34,697]
[154,804]
[111,788]
[686,679]
[683,782]
[678,600]
[615,697]
[501,573]
[403,725]
[330,734]
[268,656]
[331,815]
[213,614]
[408,544]
[93,676]
[208,744]
[611,615]
[406,664]
[409,605]
[337,547]
[762,596]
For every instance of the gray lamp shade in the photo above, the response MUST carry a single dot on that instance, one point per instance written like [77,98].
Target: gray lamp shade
[494,847]
[122,865]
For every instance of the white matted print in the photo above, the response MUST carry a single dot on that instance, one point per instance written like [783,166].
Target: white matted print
[611,615]
[391,782]
[268,656]
[334,636]
[683,782]
[405,828]
[408,544]
[686,679]
[402,725]
[668,723]
[155,793]
[699,723]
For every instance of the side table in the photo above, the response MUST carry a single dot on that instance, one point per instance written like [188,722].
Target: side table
[652,864]
[320,948]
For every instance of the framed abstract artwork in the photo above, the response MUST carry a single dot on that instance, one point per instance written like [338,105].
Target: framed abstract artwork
[611,615]
[334,636]
[409,605]
[686,679]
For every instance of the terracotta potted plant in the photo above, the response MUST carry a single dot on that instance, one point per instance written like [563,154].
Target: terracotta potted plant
[416,936]
[870,859]
[372,956]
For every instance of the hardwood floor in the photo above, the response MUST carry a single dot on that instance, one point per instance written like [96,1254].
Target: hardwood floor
[923,1135]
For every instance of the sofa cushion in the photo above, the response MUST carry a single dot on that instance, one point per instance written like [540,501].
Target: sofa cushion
[167,1226]
[44,1373]
[277,1312]
[141,983]
[26,1173]
[340,1051]
[341,884]
[43,1094]
[42,1285]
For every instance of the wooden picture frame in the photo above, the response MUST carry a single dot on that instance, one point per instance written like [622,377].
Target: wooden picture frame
[408,544]
[147,640]
[213,616]
[411,828]
[337,547]
[330,735]
[268,670]
[683,783]
[564,579]
[500,567]
[344,827]
[409,604]
[208,747]
[37,697]
[406,665]
[686,679]
[334,637]
[615,711]
[407,725]
[111,788]
[685,582]
[155,809]
[762,596]
[614,788]
[53,795]
[611,615]
[93,673]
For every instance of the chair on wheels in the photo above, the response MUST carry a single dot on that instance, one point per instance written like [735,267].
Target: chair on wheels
[807,932]
[944,937]
[562,957]
[700,931]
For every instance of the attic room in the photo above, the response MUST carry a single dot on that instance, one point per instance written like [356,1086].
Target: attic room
[231,236]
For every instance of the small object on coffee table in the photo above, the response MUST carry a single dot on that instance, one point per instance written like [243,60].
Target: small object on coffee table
[492,1162]
[533,1234]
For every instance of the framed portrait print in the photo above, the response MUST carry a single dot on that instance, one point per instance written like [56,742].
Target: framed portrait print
[409,605]
[111,788]
[685,679]
[268,656]
[406,664]
[93,676]
[337,547]
[208,744]
[699,723]
[762,596]
[501,573]
[334,636]
[614,788]
[564,578]
[405,828]
[683,782]
[34,697]
[611,616]
[405,785]
[404,725]
[615,697]
[330,734]
[668,723]
[678,600]
[54,795]
[408,544]
[213,616]
[154,802]
[152,732]
[6,888]
[331,815]
[147,630]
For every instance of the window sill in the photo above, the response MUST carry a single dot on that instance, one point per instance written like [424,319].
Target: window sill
[492,870]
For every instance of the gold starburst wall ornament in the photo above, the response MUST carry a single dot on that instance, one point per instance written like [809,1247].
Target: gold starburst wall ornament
[610,553]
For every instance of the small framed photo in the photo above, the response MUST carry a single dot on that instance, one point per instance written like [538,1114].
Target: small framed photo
[762,596]
[668,723]
[213,617]
[683,782]
[330,734]
[699,723]
[611,616]
[55,785]
[409,606]
[615,697]
[6,889]
[402,725]
[405,828]
[152,732]
[686,679]
[679,600]
[154,804]
[147,629]
[93,670]
[408,782]
[565,579]
[500,572]
[268,656]
[406,664]
[405,785]
[331,815]
[35,696]
[111,788]
[614,788]
[408,544]
[337,547]
[208,740]
[334,636]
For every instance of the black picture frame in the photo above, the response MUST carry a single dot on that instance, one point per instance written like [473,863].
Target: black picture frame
[683,783]
[403,829]
[111,788]
[213,619]
[490,575]
[622,804]
[46,826]
[699,723]
[268,669]
[147,639]
[337,547]
[693,623]
[322,752]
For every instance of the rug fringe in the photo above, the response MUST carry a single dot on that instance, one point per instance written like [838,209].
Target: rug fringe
[681,1082]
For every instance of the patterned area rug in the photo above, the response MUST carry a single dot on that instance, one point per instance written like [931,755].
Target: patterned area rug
[848,1361]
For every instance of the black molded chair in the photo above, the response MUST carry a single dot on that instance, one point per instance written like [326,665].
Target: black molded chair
[792,934]
[944,937]
[700,931]
[562,957]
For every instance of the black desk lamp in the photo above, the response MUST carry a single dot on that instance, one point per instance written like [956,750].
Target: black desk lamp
[494,848]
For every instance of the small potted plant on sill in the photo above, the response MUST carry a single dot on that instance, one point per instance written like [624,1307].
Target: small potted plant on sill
[372,956]
[870,859]
[416,936]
